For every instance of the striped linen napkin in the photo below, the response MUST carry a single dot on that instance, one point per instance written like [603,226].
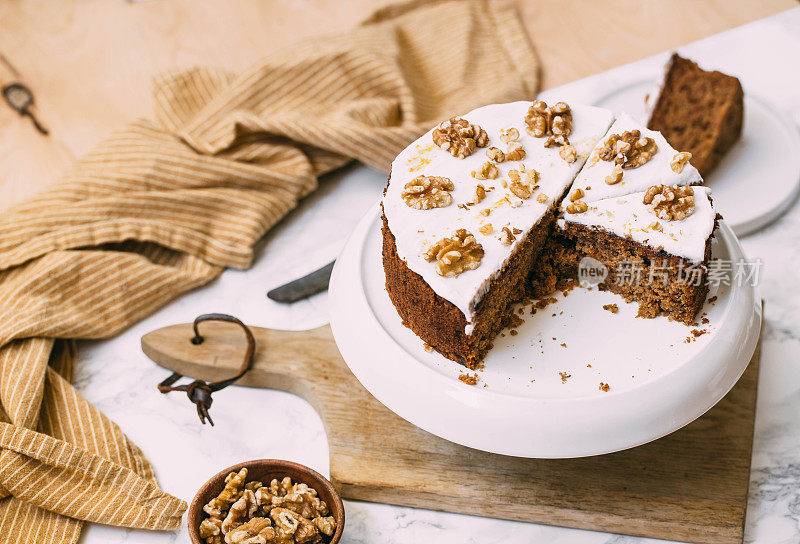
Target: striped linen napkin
[164,206]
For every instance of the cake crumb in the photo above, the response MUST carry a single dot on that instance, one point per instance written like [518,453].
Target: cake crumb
[704,321]
[469,379]
[514,321]
[613,308]
[427,347]
[700,332]
[563,344]
[564,376]
[604,387]
[542,303]
[588,365]
[712,300]
[513,332]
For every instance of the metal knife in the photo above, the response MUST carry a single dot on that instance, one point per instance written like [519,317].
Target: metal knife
[304,287]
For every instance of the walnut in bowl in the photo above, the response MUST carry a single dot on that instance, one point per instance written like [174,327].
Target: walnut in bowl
[266,501]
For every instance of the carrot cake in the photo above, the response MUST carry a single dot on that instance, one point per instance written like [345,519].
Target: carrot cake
[470,205]
[698,111]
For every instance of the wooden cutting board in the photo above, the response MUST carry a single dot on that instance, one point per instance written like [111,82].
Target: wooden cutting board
[689,486]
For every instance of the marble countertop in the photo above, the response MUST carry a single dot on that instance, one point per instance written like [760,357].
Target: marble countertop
[120,380]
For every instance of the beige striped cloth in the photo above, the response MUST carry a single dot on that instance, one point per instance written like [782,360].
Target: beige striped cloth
[165,206]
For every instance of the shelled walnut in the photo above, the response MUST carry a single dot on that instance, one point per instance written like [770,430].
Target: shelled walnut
[544,121]
[509,135]
[679,161]
[459,137]
[579,206]
[506,236]
[520,189]
[426,192]
[480,194]
[568,153]
[457,254]
[486,171]
[515,152]
[670,203]
[280,513]
[495,154]
[615,176]
[629,149]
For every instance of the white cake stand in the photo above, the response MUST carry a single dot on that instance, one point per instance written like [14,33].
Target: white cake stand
[521,406]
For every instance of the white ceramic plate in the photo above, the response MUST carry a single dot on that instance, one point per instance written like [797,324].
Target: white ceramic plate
[521,406]
[759,178]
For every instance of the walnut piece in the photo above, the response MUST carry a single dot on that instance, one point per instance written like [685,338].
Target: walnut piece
[542,198]
[509,135]
[459,137]
[576,195]
[521,190]
[480,194]
[486,229]
[679,161]
[568,153]
[515,152]
[670,203]
[486,171]
[579,206]
[326,525]
[495,154]
[506,236]
[544,121]
[629,149]
[615,176]
[209,528]
[256,531]
[426,192]
[234,486]
[457,254]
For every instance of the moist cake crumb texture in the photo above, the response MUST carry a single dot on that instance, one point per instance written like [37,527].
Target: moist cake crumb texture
[699,112]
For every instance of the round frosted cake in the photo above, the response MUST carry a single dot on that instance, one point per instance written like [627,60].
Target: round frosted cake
[485,207]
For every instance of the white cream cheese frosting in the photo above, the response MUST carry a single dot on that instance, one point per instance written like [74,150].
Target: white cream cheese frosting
[629,217]
[416,230]
[657,171]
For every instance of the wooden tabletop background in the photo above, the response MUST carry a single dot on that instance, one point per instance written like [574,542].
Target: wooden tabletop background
[90,62]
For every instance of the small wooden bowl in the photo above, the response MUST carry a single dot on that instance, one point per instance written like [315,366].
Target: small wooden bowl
[265,470]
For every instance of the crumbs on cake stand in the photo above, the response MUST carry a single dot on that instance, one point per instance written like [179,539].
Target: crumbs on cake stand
[564,376]
[696,333]
[469,379]
[613,308]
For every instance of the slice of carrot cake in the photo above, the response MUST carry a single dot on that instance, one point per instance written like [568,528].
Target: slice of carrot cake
[698,111]
[655,246]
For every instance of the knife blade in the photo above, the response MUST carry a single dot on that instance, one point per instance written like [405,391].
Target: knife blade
[304,287]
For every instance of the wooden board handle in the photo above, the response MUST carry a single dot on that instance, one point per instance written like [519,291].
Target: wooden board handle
[292,361]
